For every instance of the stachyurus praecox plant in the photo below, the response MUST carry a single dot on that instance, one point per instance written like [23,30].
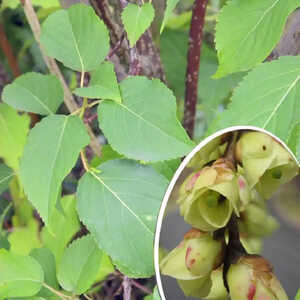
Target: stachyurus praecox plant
[224,200]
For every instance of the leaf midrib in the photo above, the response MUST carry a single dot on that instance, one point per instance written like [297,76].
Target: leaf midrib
[76,44]
[6,177]
[281,101]
[37,99]
[237,51]
[54,161]
[149,123]
[122,202]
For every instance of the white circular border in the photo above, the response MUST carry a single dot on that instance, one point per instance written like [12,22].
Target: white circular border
[174,180]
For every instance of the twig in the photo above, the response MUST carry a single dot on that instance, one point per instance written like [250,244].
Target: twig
[193,63]
[116,47]
[141,287]
[88,297]
[84,161]
[127,288]
[134,67]
[7,50]
[54,69]
[59,294]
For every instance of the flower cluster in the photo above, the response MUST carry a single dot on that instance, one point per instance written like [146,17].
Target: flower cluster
[225,186]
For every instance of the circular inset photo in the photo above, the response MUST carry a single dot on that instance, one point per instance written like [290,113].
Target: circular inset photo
[216,227]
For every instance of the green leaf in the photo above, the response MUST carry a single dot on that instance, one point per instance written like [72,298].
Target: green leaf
[103,84]
[171,4]
[6,175]
[298,295]
[63,226]
[50,153]
[9,4]
[4,243]
[106,267]
[137,19]
[213,92]
[147,115]
[34,92]
[107,153]
[294,141]
[167,167]
[128,195]
[47,261]
[76,37]
[24,239]
[13,135]
[79,265]
[175,42]
[154,296]
[21,276]
[243,45]
[46,4]
[270,103]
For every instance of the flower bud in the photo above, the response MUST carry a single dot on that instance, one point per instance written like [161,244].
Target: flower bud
[203,253]
[257,221]
[218,290]
[197,288]
[207,197]
[195,257]
[251,278]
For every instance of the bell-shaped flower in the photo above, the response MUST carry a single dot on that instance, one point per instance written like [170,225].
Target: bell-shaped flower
[208,196]
[252,278]
[197,288]
[266,163]
[282,170]
[195,257]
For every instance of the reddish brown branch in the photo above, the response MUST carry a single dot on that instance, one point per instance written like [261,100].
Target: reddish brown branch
[7,50]
[192,72]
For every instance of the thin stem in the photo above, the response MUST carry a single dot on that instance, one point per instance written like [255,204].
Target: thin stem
[87,297]
[3,215]
[230,151]
[77,111]
[141,287]
[193,63]
[116,47]
[84,161]
[54,291]
[8,52]
[54,69]
[82,79]
[127,288]
[83,108]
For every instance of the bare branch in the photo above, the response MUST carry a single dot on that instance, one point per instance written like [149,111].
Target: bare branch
[192,72]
